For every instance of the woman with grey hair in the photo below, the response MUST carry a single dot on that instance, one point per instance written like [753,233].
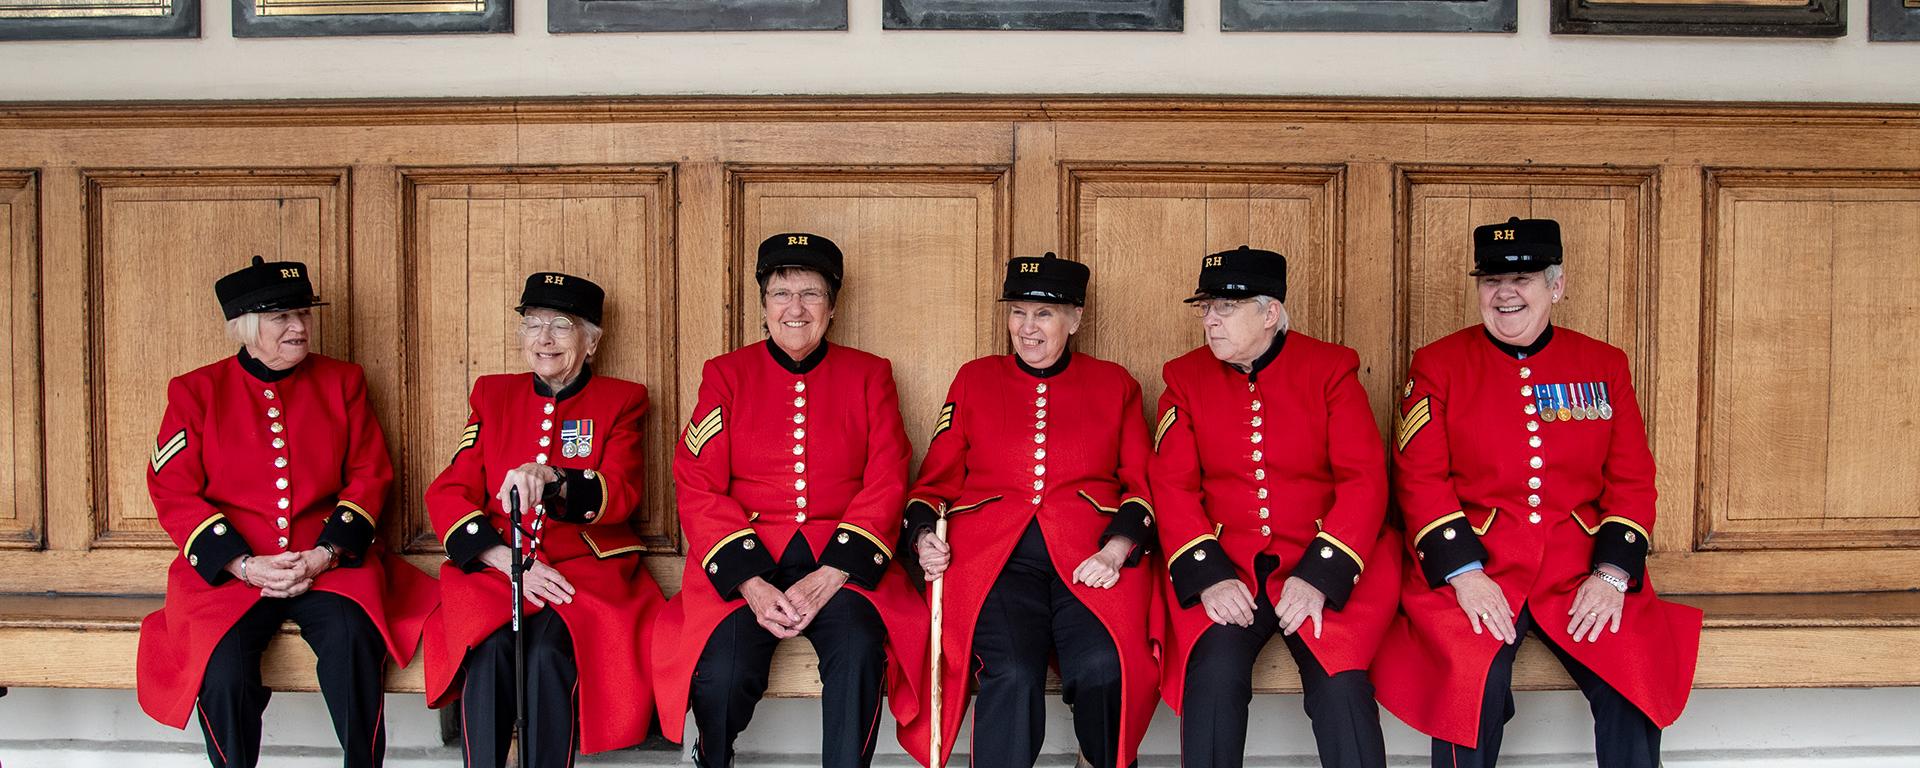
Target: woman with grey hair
[270,473]
[567,444]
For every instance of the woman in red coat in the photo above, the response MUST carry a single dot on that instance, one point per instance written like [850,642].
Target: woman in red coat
[1271,481]
[568,442]
[1524,475]
[1039,460]
[790,479]
[270,473]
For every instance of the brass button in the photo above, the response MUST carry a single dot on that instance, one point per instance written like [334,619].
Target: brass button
[1533,500]
[1256,421]
[284,502]
[1264,514]
[1040,402]
[1262,493]
[546,424]
[799,466]
[1266,531]
[193,560]
[280,462]
[280,522]
[1259,474]
[276,428]
[799,485]
[280,483]
[879,560]
[1630,537]
[283,541]
[799,386]
[1448,534]
[747,544]
[473,528]
[1326,553]
[1256,405]
[1533,482]
[1038,484]
[1257,455]
[540,459]
[800,518]
[1036,499]
[843,537]
[713,567]
[800,502]
[547,408]
[279,443]
[800,433]
[1526,390]
[273,413]
[1199,554]
[1526,372]
[1534,518]
[1040,388]
[1039,453]
[1533,441]
[219,529]
[799,402]
[799,418]
[1039,469]
[545,441]
[346,517]
[1533,426]
[1535,462]
[797,450]
[268,394]
[1257,437]
[1530,410]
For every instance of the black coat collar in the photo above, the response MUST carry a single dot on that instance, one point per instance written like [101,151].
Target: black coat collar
[1518,352]
[1260,363]
[1058,367]
[259,370]
[802,366]
[573,387]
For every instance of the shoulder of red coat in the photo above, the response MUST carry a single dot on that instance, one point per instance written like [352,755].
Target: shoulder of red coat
[1195,360]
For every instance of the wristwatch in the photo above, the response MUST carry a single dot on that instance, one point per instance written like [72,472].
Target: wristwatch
[1611,580]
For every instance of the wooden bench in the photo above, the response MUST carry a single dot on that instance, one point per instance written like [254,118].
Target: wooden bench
[1751,641]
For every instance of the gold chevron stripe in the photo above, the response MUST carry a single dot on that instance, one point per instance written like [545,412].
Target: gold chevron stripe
[709,426]
[1415,419]
[945,422]
[1166,422]
[165,452]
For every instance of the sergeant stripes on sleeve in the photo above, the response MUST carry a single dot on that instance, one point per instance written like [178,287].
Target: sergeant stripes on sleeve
[699,433]
[1412,422]
[1166,422]
[165,452]
[945,422]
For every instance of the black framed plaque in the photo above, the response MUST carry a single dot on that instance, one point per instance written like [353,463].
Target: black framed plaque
[96,19]
[1090,15]
[1705,18]
[1368,15]
[695,15]
[1893,20]
[318,18]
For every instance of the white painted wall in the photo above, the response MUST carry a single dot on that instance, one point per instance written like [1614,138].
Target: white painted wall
[1866,728]
[867,60]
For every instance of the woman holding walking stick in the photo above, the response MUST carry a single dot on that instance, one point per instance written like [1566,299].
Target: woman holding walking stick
[566,444]
[1038,466]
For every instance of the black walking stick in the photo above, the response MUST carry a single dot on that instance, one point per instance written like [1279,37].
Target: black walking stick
[517,575]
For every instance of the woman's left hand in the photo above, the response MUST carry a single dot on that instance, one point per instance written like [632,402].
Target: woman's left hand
[1299,601]
[1102,569]
[1598,605]
[532,479]
[812,591]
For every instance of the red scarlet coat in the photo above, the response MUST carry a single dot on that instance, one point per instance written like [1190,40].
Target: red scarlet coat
[1287,462]
[815,450]
[248,466]
[592,433]
[1481,476]
[1070,450]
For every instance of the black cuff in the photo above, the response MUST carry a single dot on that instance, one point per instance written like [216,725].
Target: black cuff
[1447,547]
[1620,545]
[856,551]
[586,494]
[350,531]
[468,539]
[920,517]
[1329,569]
[1134,521]
[215,545]
[739,557]
[1198,567]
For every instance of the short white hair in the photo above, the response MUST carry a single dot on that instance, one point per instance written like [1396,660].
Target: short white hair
[245,329]
[1554,272]
[1264,300]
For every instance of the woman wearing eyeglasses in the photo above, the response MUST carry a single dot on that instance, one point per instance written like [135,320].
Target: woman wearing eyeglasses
[1271,481]
[568,443]
[790,479]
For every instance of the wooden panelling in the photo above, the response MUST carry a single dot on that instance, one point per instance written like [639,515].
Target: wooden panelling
[157,240]
[1787,287]
[923,250]
[1142,230]
[1809,437]
[23,521]
[1606,227]
[473,236]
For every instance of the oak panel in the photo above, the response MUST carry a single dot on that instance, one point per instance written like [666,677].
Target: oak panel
[158,239]
[1808,437]
[472,237]
[924,249]
[1143,229]
[23,521]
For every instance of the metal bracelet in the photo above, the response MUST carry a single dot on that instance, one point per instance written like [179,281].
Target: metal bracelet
[243,569]
[1611,580]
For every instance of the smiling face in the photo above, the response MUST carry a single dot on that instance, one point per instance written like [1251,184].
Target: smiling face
[1517,307]
[1040,330]
[799,307]
[282,341]
[555,344]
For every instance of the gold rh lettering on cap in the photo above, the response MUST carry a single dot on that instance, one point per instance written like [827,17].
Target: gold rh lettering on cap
[556,279]
[1503,234]
[1030,268]
[289,273]
[796,240]
[1213,261]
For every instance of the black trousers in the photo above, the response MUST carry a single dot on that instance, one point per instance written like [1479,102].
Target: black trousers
[731,675]
[1028,616]
[1219,687]
[352,657]
[1623,736]
[486,695]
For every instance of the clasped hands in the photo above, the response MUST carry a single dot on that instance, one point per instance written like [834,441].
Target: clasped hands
[287,574]
[787,614]
[1101,570]
[1229,601]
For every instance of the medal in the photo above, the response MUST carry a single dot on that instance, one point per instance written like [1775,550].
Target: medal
[1592,389]
[1546,401]
[1579,401]
[1606,404]
[1561,396]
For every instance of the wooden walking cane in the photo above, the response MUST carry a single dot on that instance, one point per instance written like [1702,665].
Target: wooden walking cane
[937,590]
